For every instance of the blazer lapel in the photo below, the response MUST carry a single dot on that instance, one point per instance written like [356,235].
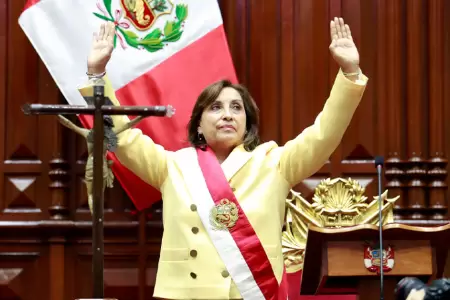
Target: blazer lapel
[235,161]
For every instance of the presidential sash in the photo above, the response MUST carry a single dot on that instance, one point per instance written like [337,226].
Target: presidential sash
[230,231]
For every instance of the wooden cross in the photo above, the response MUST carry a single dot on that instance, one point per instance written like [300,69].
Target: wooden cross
[99,105]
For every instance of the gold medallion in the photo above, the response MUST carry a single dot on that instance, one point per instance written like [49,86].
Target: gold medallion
[224,215]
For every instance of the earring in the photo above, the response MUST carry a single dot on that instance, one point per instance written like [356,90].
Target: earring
[202,143]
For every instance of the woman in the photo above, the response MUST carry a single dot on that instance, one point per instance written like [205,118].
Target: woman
[411,288]
[224,197]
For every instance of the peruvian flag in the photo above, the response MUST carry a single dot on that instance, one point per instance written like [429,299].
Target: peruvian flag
[166,52]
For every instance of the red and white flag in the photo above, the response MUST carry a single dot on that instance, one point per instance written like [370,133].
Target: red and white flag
[166,52]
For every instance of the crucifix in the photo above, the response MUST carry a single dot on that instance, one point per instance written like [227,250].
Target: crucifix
[100,139]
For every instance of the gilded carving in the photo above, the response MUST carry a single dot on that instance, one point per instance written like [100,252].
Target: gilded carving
[336,203]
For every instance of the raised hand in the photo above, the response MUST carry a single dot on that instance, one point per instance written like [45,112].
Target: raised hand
[342,47]
[101,48]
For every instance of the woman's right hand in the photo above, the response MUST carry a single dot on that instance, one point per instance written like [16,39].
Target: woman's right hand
[101,48]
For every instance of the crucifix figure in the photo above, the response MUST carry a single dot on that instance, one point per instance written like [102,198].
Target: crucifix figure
[99,140]
[109,144]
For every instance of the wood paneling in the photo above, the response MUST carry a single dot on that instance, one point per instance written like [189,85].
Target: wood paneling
[340,257]
[280,50]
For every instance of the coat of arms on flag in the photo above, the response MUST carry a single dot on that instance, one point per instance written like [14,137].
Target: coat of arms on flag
[142,15]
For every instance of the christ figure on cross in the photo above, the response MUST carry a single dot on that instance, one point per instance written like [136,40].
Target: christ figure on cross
[109,144]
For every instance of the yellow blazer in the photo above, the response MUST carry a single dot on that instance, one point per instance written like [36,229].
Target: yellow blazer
[261,181]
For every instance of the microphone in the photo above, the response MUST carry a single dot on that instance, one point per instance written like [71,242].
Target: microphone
[379,162]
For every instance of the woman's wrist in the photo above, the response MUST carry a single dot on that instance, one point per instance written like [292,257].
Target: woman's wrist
[95,70]
[95,73]
[352,73]
[350,68]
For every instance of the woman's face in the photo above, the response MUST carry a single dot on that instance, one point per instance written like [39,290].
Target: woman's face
[223,122]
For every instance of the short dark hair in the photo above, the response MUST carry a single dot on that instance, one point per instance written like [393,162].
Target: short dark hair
[208,96]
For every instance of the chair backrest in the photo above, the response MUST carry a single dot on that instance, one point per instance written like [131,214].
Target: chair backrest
[336,203]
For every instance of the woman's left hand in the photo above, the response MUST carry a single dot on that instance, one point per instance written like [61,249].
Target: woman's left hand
[342,47]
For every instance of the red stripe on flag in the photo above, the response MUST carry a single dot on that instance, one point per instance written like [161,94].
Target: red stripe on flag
[30,3]
[243,233]
[177,81]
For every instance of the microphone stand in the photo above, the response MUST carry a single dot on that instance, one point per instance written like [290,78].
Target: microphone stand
[379,161]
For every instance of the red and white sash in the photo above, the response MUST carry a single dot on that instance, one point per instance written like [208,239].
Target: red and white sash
[229,229]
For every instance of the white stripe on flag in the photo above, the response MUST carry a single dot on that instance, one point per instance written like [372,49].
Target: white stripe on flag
[61,33]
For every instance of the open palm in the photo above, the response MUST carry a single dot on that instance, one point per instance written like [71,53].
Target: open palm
[101,48]
[342,47]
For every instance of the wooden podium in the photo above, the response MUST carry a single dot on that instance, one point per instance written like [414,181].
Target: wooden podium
[334,258]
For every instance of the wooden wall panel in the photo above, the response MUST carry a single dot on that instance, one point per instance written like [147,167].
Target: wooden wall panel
[280,50]
[289,70]
[445,7]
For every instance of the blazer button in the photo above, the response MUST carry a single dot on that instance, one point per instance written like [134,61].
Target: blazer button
[193,275]
[193,207]
[225,274]
[194,230]
[193,253]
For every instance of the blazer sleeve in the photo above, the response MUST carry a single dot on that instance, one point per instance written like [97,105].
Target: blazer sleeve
[308,152]
[136,151]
